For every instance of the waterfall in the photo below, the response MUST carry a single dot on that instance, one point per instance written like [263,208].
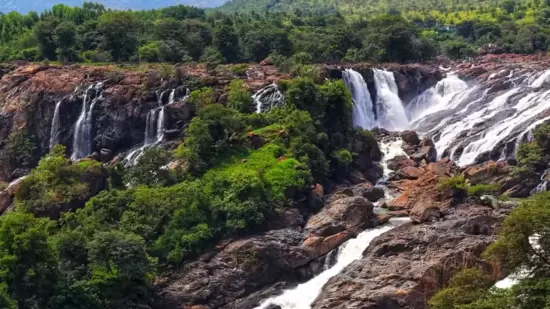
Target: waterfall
[543,185]
[363,109]
[54,132]
[390,111]
[472,122]
[304,294]
[268,98]
[82,142]
[155,125]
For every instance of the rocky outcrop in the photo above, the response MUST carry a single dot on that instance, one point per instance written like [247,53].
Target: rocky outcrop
[406,266]
[423,190]
[241,273]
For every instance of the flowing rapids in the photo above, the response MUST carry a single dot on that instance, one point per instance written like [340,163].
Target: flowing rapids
[268,98]
[304,294]
[469,123]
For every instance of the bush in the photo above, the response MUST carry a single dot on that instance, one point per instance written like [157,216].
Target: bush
[465,287]
[239,98]
[530,155]
[239,69]
[54,184]
[456,185]
[483,189]
[149,52]
[202,97]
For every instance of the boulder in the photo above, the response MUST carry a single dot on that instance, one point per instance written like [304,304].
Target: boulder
[410,137]
[428,153]
[406,266]
[424,188]
[400,162]
[427,211]
[347,214]
[409,172]
[266,61]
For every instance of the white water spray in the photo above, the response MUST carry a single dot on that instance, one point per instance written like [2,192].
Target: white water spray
[363,109]
[304,294]
[389,108]
[82,143]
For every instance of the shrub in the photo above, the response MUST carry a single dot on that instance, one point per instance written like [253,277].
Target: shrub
[530,155]
[239,98]
[483,189]
[202,97]
[456,185]
[239,69]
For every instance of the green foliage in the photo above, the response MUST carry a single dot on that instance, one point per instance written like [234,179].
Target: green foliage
[150,169]
[118,32]
[239,97]
[483,189]
[522,244]
[19,150]
[212,58]
[54,184]
[240,69]
[27,264]
[202,97]
[465,287]
[456,185]
[530,155]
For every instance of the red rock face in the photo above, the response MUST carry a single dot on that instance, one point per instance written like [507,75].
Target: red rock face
[423,190]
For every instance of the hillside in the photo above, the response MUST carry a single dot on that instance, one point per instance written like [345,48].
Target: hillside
[360,6]
[39,6]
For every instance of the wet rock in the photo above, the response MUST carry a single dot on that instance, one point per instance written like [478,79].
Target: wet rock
[287,217]
[366,190]
[347,214]
[400,162]
[409,172]
[105,155]
[373,174]
[410,137]
[356,177]
[407,265]
[428,153]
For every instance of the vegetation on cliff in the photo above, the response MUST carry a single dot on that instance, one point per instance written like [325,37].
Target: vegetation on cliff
[66,245]
[522,249]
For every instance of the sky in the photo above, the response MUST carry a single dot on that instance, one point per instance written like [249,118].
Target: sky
[24,6]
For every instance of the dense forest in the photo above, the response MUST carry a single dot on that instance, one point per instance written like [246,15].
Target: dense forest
[92,33]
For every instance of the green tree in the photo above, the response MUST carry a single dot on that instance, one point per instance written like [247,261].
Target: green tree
[118,31]
[65,39]
[44,32]
[150,169]
[226,41]
[27,265]
[239,97]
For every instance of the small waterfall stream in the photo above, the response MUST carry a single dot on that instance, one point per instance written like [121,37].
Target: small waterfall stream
[155,125]
[303,295]
[54,132]
[268,98]
[82,143]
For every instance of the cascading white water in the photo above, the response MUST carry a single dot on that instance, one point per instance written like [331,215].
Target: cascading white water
[391,114]
[304,294]
[543,185]
[268,98]
[82,142]
[363,109]
[54,132]
[467,122]
[154,126]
